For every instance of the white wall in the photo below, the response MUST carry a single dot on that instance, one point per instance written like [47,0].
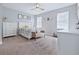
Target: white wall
[50,25]
[68,43]
[0,11]
[35,23]
[12,16]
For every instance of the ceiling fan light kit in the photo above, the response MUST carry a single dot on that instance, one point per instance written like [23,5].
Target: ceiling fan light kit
[37,7]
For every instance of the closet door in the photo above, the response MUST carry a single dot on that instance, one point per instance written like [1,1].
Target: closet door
[9,29]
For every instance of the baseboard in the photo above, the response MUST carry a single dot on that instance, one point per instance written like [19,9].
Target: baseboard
[9,36]
[23,36]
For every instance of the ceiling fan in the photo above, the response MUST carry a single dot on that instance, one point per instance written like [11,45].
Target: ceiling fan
[37,7]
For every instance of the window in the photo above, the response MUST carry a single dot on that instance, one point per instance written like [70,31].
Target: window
[39,22]
[29,23]
[32,21]
[63,21]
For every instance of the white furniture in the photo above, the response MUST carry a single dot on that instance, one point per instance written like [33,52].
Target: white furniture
[9,29]
[25,32]
[68,43]
[39,34]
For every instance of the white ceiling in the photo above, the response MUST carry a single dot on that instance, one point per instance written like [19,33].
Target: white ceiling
[26,7]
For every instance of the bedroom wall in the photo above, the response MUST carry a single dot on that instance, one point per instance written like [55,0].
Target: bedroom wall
[0,11]
[12,16]
[67,42]
[48,25]
[35,23]
[51,25]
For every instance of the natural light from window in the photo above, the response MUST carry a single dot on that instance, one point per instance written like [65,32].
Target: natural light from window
[63,22]
[39,22]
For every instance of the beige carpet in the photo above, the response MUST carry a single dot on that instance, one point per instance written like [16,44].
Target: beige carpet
[21,46]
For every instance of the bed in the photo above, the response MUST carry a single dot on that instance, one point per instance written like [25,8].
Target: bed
[26,32]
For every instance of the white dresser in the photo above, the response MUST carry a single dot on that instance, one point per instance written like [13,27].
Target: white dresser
[9,29]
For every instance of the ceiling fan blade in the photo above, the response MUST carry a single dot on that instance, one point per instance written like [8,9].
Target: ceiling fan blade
[37,7]
[41,8]
[33,8]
